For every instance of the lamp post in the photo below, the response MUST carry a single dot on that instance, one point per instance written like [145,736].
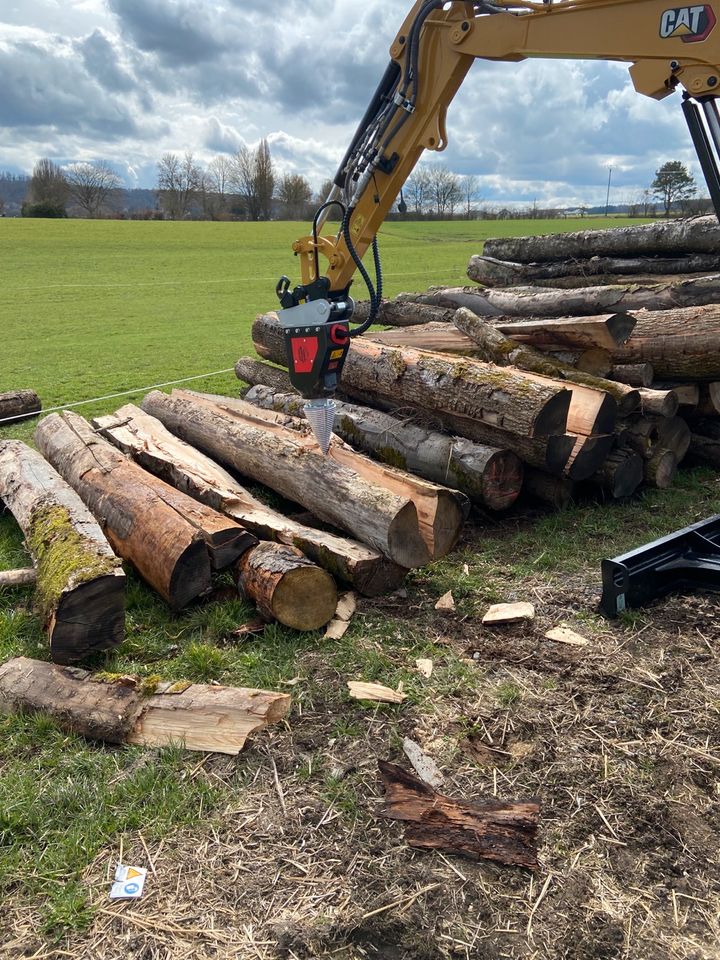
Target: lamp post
[607,198]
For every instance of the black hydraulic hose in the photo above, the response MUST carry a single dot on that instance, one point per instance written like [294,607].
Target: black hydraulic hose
[374,297]
[320,209]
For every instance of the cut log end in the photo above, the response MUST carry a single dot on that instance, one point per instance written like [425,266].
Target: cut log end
[552,418]
[88,620]
[661,469]
[502,480]
[191,575]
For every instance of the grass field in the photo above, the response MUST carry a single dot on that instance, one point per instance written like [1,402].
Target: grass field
[281,853]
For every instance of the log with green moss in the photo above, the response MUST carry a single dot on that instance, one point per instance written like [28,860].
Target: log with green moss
[80,585]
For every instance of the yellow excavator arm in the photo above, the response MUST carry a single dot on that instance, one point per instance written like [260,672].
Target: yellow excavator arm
[666,47]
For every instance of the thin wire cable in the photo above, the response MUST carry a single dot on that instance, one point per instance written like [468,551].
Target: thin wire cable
[114,396]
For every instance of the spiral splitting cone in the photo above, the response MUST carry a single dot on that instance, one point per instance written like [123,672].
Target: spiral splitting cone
[320,414]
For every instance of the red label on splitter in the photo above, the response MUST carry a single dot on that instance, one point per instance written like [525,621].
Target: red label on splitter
[304,351]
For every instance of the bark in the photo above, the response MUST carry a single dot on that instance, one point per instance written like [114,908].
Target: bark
[18,578]
[488,475]
[621,474]
[436,337]
[577,301]
[635,374]
[604,332]
[503,399]
[396,313]
[558,492]
[503,832]
[287,587]
[661,469]
[695,235]
[205,718]
[80,587]
[688,394]
[492,272]
[253,371]
[17,405]
[290,463]
[150,444]
[171,540]
[595,403]
[660,403]
[681,344]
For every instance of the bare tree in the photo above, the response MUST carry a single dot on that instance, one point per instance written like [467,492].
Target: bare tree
[253,176]
[91,185]
[295,194]
[445,190]
[470,190]
[48,187]
[323,193]
[179,180]
[417,189]
[215,187]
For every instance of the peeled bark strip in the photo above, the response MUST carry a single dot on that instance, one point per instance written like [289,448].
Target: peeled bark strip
[80,587]
[17,405]
[622,473]
[253,371]
[694,235]
[204,718]
[661,469]
[287,587]
[468,388]
[558,492]
[290,463]
[492,272]
[145,440]
[503,832]
[18,578]
[488,475]
[170,539]
[635,374]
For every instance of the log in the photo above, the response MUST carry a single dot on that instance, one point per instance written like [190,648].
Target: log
[491,272]
[621,474]
[503,832]
[688,394]
[80,588]
[207,718]
[660,470]
[287,587]
[488,475]
[290,463]
[577,301]
[659,403]
[171,540]
[558,492]
[17,405]
[150,444]
[252,372]
[708,404]
[595,403]
[635,374]
[704,449]
[587,456]
[673,433]
[396,313]
[18,578]
[681,344]
[436,337]
[501,398]
[694,235]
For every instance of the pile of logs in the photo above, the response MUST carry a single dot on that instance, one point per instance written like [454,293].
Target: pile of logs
[598,383]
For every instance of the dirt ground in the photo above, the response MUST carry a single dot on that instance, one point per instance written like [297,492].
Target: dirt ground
[619,740]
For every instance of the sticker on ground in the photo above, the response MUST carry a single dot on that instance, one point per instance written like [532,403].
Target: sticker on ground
[129,883]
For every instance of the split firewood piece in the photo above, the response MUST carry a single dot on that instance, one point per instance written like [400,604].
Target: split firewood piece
[660,470]
[425,667]
[18,578]
[423,765]
[17,405]
[346,607]
[503,832]
[502,398]
[509,613]
[446,603]
[337,629]
[375,692]
[558,492]
[635,374]
[80,585]
[410,520]
[566,635]
[488,475]
[206,718]
[286,586]
[149,443]
[622,473]
[172,540]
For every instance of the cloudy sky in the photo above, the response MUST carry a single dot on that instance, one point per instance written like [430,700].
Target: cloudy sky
[128,80]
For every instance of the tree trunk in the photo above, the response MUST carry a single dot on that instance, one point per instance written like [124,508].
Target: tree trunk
[681,344]
[170,539]
[503,399]
[661,469]
[289,462]
[491,272]
[253,371]
[621,474]
[487,475]
[502,832]
[659,403]
[558,492]
[574,302]
[205,718]
[396,313]
[287,587]
[145,440]
[18,578]
[695,235]
[80,588]
[634,374]
[18,405]
[688,394]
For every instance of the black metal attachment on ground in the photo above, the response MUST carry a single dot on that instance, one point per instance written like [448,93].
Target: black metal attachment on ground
[684,561]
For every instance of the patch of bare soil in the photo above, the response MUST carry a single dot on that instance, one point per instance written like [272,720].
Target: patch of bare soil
[620,740]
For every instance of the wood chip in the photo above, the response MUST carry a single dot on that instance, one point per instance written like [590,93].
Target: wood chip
[509,613]
[336,629]
[374,691]
[251,627]
[425,667]
[446,603]
[423,765]
[347,605]
[566,635]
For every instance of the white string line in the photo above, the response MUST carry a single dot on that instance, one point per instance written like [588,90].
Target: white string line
[114,396]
